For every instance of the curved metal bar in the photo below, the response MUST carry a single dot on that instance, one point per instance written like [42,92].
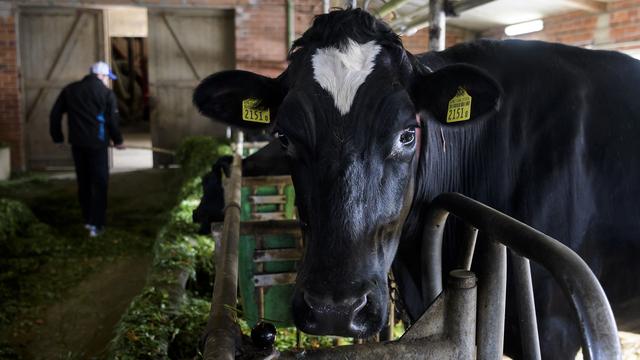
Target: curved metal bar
[588,300]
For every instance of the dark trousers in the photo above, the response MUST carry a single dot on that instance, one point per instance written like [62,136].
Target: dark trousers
[92,174]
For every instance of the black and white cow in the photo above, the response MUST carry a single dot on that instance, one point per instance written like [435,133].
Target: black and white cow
[547,133]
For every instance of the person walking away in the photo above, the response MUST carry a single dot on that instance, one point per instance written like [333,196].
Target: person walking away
[92,120]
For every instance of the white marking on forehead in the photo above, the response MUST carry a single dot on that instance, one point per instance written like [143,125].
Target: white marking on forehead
[342,71]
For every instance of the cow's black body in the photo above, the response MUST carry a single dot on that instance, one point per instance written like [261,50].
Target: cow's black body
[552,141]
[561,154]
[267,161]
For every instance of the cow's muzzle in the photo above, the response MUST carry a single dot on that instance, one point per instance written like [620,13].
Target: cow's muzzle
[358,316]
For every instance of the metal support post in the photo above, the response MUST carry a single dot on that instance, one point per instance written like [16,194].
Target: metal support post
[437,25]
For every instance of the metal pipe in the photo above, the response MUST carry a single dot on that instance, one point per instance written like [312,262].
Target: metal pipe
[526,307]
[291,23]
[326,6]
[492,295]
[222,327]
[432,255]
[469,237]
[437,25]
[390,6]
[599,333]
[414,25]
[461,312]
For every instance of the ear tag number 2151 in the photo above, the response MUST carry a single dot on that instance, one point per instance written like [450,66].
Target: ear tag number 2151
[459,107]
[250,112]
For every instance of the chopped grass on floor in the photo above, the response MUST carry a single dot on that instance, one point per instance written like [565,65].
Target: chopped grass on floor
[46,251]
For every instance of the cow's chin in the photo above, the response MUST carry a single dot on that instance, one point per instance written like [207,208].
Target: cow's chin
[366,322]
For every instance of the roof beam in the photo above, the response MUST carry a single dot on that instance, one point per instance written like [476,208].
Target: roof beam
[594,6]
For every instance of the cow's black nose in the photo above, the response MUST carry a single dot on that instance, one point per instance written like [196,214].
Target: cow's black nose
[330,315]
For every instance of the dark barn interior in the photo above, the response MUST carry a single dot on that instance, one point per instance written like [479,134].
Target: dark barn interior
[139,283]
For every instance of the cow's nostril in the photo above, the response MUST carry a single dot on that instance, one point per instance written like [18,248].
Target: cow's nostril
[324,304]
[359,304]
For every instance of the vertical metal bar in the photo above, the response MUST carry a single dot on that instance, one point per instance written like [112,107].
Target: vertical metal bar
[469,245]
[326,6]
[461,312]
[222,327]
[492,293]
[437,25]
[431,256]
[291,23]
[526,307]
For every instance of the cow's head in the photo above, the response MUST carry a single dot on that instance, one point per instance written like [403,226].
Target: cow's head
[348,111]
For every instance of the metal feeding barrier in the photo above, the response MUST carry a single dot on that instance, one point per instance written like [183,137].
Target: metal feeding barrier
[451,328]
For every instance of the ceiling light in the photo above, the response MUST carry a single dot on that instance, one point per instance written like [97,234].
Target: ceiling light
[524,28]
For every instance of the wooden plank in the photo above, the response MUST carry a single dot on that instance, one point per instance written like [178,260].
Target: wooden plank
[267,180]
[66,49]
[41,83]
[267,199]
[264,280]
[267,255]
[276,215]
[184,52]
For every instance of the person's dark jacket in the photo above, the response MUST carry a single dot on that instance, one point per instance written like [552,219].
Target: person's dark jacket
[92,111]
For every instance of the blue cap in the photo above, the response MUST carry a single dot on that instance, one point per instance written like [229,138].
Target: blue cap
[102,68]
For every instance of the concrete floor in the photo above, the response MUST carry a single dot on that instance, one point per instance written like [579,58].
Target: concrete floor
[133,159]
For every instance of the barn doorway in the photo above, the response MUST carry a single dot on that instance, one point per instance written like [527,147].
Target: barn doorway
[129,59]
[128,30]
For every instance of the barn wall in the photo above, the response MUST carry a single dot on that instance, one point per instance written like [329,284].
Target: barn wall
[11,130]
[260,46]
[616,29]
[260,40]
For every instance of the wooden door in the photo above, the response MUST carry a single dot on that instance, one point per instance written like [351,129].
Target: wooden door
[57,47]
[185,46]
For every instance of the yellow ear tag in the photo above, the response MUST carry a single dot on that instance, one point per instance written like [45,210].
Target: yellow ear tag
[250,112]
[459,107]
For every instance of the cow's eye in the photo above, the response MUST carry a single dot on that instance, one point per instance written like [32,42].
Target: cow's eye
[408,136]
[284,142]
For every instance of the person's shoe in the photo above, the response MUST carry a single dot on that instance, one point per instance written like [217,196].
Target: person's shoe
[95,231]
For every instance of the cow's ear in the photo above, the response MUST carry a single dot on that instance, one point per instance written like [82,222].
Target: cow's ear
[457,94]
[240,98]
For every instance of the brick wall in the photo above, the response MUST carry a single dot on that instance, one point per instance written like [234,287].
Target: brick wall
[615,29]
[261,33]
[10,120]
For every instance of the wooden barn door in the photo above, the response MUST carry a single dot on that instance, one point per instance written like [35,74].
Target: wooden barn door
[185,46]
[57,46]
